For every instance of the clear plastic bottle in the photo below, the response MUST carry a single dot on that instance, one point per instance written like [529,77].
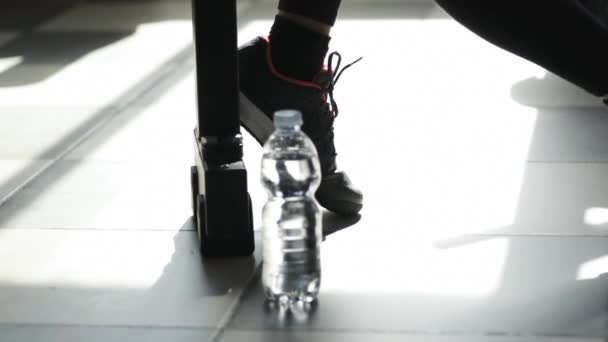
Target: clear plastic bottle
[291,217]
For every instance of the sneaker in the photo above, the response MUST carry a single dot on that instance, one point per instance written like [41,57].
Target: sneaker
[264,91]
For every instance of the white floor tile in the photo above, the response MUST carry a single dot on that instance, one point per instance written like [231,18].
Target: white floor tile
[160,131]
[104,195]
[458,200]
[38,132]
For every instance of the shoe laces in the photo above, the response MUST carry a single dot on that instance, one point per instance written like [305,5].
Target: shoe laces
[335,70]
[327,81]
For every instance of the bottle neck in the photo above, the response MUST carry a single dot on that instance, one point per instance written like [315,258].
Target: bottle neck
[288,129]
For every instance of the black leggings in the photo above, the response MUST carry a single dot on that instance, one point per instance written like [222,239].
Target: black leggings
[324,11]
[563,36]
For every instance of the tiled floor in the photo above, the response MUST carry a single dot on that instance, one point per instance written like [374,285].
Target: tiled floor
[486,196]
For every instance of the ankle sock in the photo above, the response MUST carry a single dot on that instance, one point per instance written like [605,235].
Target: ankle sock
[296,51]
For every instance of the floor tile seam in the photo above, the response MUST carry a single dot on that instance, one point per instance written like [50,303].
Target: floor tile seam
[105,326]
[96,229]
[412,332]
[230,314]
[418,332]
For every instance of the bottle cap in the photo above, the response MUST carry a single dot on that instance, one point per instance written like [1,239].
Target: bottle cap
[287,118]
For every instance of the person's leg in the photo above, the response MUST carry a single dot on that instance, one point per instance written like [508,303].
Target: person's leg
[560,35]
[300,36]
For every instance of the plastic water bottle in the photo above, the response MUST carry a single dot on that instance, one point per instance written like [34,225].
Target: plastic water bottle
[291,217]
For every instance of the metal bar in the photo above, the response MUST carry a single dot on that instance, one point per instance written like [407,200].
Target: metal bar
[215,40]
[221,204]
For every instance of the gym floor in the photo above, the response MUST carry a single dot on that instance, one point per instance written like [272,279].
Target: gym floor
[485,181]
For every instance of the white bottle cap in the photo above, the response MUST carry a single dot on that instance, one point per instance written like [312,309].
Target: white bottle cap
[287,118]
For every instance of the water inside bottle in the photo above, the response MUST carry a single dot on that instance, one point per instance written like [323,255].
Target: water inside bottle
[291,220]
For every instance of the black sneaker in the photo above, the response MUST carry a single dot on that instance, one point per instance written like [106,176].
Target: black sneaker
[264,91]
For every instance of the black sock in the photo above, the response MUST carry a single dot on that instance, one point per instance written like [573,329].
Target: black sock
[297,51]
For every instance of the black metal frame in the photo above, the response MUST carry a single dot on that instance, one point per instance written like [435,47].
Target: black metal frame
[220,201]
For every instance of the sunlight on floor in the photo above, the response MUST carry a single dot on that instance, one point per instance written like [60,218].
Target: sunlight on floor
[460,146]
[472,271]
[9,62]
[84,259]
[596,217]
[593,269]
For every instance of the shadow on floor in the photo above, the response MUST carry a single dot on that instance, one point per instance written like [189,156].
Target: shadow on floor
[551,91]
[43,53]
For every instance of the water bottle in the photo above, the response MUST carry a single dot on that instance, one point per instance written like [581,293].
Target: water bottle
[291,270]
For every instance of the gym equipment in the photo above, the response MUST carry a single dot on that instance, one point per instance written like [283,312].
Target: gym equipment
[221,205]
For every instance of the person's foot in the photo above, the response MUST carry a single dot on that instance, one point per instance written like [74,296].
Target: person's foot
[264,91]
